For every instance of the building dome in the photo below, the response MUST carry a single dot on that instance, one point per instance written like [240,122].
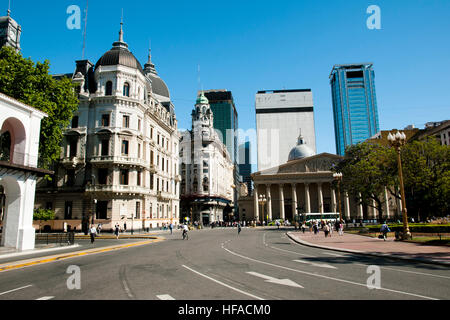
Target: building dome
[301,150]
[119,55]
[202,99]
[159,87]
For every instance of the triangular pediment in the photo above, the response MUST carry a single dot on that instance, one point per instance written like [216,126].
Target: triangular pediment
[319,163]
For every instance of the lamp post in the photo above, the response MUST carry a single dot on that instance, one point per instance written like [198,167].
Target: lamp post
[338,177]
[397,141]
[262,201]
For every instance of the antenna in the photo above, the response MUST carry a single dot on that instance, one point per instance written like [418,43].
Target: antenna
[9,8]
[85,28]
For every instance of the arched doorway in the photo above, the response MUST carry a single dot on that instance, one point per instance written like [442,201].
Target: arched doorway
[13,138]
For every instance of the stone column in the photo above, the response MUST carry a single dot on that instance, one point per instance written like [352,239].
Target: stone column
[269,202]
[320,196]
[307,199]
[347,206]
[256,203]
[282,215]
[333,200]
[294,199]
[360,209]
[374,210]
[386,199]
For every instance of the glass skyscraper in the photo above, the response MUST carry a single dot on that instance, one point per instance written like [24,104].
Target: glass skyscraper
[354,104]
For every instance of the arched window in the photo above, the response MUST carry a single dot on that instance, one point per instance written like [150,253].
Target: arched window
[108,91]
[126,89]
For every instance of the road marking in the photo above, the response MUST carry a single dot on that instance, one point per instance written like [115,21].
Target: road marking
[320,265]
[297,253]
[326,277]
[285,282]
[224,284]
[6,292]
[406,271]
[333,254]
[28,263]
[165,297]
[45,298]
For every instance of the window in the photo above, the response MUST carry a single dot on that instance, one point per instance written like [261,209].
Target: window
[139,151]
[162,143]
[73,145]
[138,178]
[157,184]
[70,177]
[125,144]
[108,90]
[126,122]
[151,181]
[102,176]
[152,157]
[139,124]
[151,132]
[138,210]
[101,210]
[162,164]
[126,89]
[124,177]
[75,122]
[68,210]
[105,120]
[105,147]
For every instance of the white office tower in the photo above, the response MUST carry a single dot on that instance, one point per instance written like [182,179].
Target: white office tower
[281,116]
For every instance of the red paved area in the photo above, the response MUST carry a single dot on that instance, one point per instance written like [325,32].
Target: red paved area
[375,246]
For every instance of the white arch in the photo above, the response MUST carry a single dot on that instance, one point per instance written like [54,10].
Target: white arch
[18,139]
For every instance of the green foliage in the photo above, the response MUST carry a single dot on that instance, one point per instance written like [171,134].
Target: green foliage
[367,169]
[32,84]
[44,214]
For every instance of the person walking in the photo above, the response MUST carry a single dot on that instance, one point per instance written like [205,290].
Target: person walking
[116,231]
[326,229]
[341,228]
[239,228]
[93,233]
[384,230]
[171,228]
[303,227]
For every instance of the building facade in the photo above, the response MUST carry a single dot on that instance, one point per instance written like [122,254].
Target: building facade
[207,187]
[10,32]
[119,159]
[280,116]
[245,165]
[354,104]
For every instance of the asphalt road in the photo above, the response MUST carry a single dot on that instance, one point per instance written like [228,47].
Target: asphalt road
[219,264]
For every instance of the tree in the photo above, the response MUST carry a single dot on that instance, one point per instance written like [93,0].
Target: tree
[426,170]
[43,215]
[32,84]
[367,169]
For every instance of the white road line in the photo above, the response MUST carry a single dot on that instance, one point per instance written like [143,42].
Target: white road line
[333,254]
[284,282]
[165,297]
[326,277]
[224,284]
[320,265]
[301,254]
[45,298]
[9,291]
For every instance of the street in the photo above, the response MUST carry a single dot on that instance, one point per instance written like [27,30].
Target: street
[219,264]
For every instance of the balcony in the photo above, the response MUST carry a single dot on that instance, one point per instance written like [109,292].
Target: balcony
[164,196]
[72,162]
[120,160]
[117,189]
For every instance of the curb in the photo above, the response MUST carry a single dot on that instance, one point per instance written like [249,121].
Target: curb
[378,255]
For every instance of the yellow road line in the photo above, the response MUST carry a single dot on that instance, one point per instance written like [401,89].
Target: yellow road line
[27,263]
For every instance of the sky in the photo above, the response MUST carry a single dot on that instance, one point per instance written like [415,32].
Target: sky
[247,46]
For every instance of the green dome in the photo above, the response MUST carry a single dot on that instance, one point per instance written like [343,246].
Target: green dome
[202,99]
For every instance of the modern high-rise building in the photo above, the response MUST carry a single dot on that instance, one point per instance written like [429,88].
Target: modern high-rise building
[354,104]
[281,115]
[245,165]
[226,123]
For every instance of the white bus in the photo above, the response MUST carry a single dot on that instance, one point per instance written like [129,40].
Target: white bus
[308,217]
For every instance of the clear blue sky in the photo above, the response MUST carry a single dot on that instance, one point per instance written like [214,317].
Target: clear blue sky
[246,46]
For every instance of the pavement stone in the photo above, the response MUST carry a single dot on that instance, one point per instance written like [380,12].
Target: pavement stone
[352,243]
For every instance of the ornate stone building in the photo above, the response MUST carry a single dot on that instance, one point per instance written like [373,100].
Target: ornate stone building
[119,159]
[206,168]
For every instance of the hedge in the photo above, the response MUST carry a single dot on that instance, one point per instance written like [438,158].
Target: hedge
[419,228]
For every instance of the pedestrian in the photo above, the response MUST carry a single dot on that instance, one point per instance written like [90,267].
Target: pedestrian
[330,226]
[93,233]
[125,227]
[303,227]
[239,228]
[171,228]
[99,228]
[341,228]
[384,230]
[116,231]
[326,229]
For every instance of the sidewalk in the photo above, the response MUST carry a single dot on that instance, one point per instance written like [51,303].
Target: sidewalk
[376,247]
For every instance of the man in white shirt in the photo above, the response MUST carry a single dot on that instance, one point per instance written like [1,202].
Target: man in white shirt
[93,232]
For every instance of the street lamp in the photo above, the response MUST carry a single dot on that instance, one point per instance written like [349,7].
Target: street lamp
[397,141]
[262,201]
[338,177]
